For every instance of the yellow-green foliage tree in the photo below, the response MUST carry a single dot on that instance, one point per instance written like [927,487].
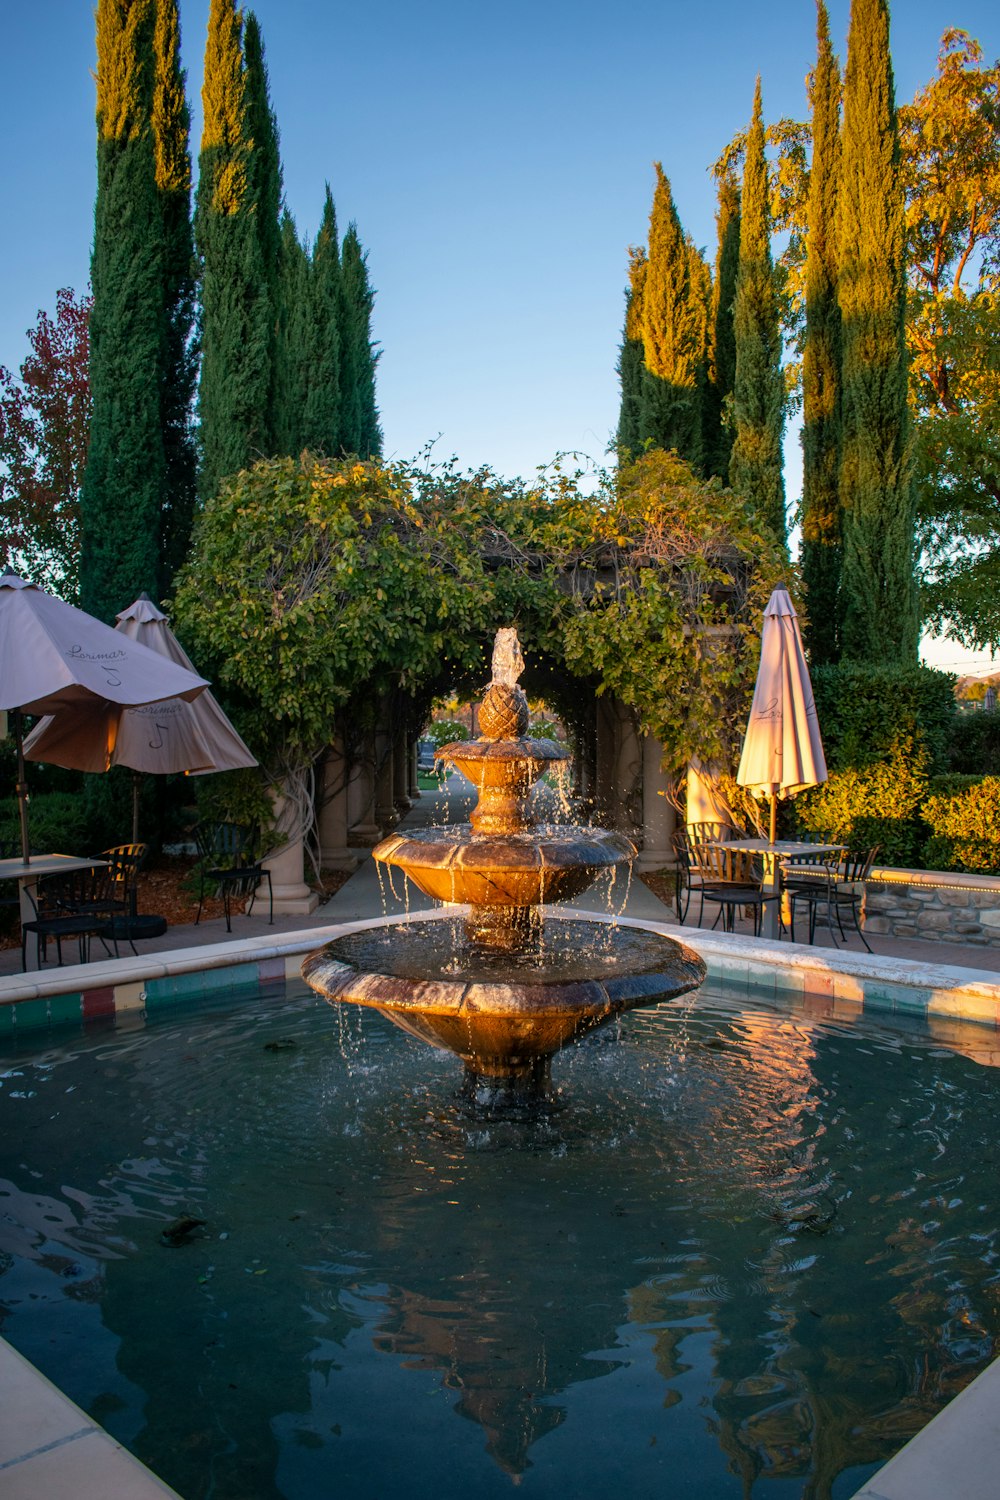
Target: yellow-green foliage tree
[951,171]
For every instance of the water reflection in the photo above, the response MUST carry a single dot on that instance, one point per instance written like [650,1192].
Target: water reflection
[748,1254]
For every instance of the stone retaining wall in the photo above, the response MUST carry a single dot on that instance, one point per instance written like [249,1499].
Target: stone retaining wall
[934,905]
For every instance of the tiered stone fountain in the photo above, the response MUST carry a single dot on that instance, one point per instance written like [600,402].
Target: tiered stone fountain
[498,985]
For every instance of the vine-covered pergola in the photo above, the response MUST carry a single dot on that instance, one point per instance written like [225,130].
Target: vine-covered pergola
[332,603]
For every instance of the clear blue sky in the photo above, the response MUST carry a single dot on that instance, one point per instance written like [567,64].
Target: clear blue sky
[498,162]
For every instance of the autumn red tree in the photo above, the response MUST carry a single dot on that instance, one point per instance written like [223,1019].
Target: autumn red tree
[44,421]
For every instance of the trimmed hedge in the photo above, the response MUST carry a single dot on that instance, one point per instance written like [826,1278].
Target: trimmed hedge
[975,744]
[877,804]
[57,823]
[866,713]
[886,732]
[964,823]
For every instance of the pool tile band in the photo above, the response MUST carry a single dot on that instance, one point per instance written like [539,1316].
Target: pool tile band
[841,982]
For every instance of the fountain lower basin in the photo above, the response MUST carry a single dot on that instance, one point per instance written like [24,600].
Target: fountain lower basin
[503,1014]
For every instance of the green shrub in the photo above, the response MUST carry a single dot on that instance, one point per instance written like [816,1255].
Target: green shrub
[867,713]
[443,731]
[885,731]
[964,823]
[877,804]
[57,824]
[237,797]
[975,744]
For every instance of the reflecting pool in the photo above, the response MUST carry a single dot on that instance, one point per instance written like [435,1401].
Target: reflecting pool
[751,1252]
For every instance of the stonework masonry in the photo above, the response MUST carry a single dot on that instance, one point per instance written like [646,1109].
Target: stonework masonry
[934,905]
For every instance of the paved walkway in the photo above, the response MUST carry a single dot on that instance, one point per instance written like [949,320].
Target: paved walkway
[365,895]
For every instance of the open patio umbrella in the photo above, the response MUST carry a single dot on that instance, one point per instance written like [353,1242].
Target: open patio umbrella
[782,751]
[161,739]
[54,657]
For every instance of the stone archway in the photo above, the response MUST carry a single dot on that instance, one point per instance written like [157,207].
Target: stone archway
[367,781]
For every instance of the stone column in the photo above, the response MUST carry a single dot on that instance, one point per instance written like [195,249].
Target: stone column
[362,829]
[703,803]
[659,817]
[401,775]
[292,897]
[334,851]
[413,789]
[386,815]
[618,788]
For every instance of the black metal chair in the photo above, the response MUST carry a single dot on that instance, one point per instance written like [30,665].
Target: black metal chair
[806,876]
[733,882]
[124,863]
[77,905]
[229,862]
[844,893]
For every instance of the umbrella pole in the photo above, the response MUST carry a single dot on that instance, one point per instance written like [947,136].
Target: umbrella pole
[22,786]
[774,816]
[135,807]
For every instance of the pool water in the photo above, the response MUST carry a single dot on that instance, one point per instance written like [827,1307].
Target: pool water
[750,1254]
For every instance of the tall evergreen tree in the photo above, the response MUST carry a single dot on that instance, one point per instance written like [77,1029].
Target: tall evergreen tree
[718,437]
[124,484]
[322,408]
[673,333]
[755,468]
[264,182]
[171,136]
[822,552]
[360,431]
[236,390]
[293,345]
[881,622]
[631,358]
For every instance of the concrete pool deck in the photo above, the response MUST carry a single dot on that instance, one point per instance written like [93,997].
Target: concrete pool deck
[49,1447]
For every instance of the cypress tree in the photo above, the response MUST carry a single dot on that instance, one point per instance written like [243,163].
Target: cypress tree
[264,183]
[673,333]
[124,482]
[822,553]
[876,493]
[755,468]
[359,431]
[293,344]
[171,135]
[322,407]
[718,440]
[235,393]
[630,358]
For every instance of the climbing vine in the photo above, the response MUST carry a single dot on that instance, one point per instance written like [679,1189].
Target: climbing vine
[314,590]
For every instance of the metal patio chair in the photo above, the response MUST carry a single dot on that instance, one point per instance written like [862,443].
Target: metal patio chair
[844,893]
[230,863]
[733,881]
[78,905]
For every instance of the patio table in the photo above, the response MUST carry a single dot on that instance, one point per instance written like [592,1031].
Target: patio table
[773,856]
[40,865]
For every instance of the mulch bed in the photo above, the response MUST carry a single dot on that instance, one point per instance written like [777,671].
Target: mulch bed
[165,889]
[661,883]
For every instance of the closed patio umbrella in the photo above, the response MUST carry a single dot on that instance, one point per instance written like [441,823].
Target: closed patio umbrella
[161,739]
[782,751]
[54,658]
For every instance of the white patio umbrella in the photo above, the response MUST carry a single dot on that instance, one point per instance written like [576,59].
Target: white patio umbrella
[160,739]
[54,657]
[782,751]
